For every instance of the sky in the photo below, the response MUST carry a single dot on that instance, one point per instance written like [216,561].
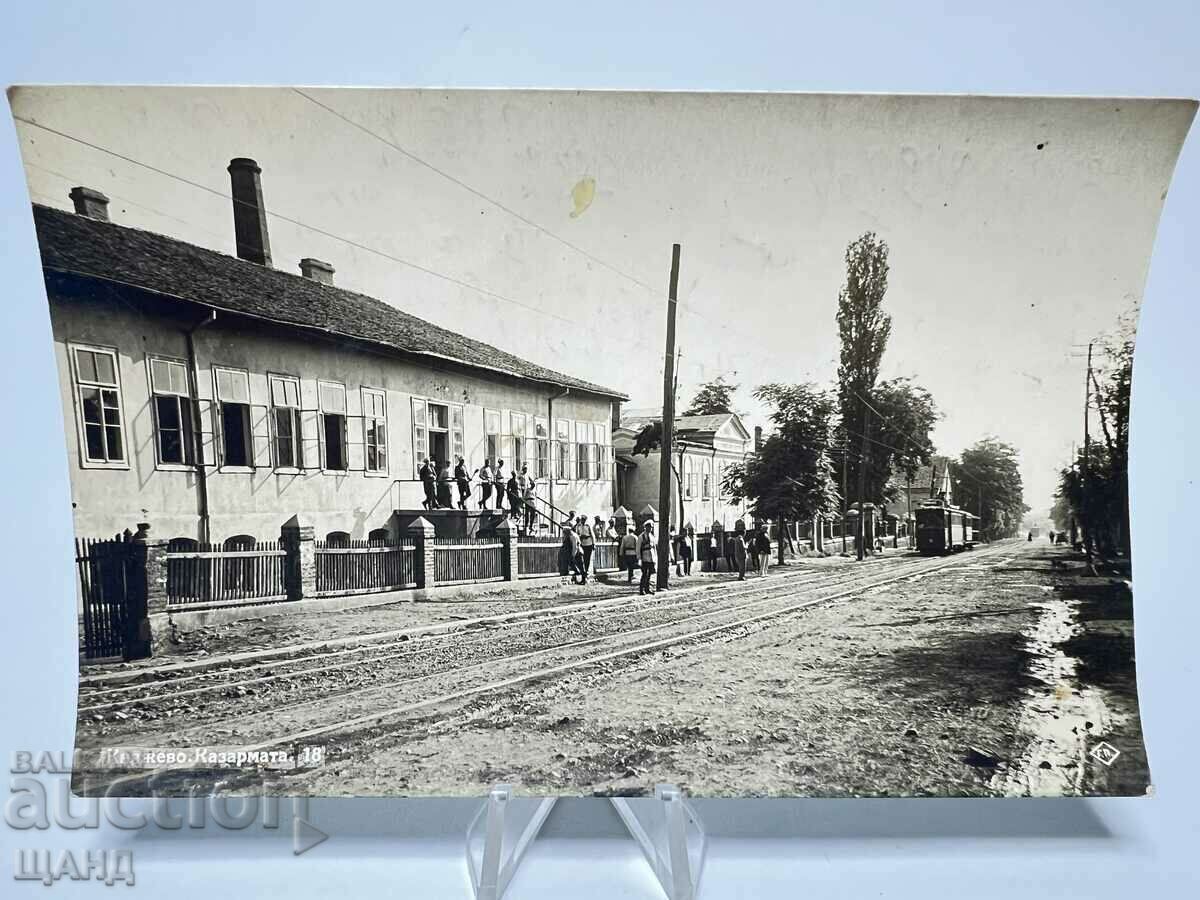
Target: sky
[542,222]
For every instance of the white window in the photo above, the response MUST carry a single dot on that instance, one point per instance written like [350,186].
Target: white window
[541,436]
[331,397]
[519,440]
[98,393]
[437,432]
[491,430]
[233,415]
[562,448]
[174,440]
[583,451]
[285,421]
[374,406]
[705,480]
[689,478]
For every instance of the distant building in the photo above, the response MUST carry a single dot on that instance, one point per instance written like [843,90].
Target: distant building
[930,483]
[705,446]
[215,397]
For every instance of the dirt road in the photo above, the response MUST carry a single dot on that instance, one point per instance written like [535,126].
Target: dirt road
[975,675]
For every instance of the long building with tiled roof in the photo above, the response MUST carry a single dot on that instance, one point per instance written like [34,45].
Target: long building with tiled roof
[217,397]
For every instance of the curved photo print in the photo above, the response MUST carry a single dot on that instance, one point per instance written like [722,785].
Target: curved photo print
[421,441]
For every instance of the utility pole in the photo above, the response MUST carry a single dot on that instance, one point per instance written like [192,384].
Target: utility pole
[1085,494]
[862,485]
[845,461]
[908,522]
[668,428]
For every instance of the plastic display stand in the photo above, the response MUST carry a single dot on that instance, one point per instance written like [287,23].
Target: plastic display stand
[499,835]
[671,837]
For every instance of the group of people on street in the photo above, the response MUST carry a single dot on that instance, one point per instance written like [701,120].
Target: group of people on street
[639,550]
[515,492]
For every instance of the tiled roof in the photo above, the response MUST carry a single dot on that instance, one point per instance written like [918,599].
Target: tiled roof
[635,419]
[76,244]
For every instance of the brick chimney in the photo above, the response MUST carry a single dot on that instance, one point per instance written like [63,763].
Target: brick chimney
[757,438]
[90,203]
[249,212]
[317,270]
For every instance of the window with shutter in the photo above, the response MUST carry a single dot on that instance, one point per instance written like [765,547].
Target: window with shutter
[98,399]
[233,417]
[173,425]
[420,435]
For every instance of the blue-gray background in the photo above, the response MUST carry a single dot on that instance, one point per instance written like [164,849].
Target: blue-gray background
[1094,849]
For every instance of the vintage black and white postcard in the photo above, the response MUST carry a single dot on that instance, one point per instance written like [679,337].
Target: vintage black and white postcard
[763,444]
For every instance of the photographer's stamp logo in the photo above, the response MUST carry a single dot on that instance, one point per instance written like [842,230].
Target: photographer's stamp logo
[1106,753]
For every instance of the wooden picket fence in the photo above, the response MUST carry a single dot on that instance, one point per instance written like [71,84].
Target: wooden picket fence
[361,567]
[466,560]
[103,570]
[538,557]
[209,574]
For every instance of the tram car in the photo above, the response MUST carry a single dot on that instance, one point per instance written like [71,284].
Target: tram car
[942,528]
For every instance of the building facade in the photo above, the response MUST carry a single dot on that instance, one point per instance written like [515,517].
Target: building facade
[705,446]
[216,397]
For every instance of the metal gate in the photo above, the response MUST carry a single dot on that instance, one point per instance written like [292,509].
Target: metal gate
[103,568]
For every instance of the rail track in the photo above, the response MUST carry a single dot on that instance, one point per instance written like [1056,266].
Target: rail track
[386,703]
[154,685]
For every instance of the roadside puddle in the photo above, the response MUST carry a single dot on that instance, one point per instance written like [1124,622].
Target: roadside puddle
[1059,715]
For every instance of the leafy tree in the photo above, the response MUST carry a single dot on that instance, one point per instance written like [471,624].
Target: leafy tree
[904,414]
[986,480]
[864,329]
[1095,489]
[713,397]
[789,479]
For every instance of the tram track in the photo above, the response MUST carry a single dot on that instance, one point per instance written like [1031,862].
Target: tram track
[359,709]
[157,689]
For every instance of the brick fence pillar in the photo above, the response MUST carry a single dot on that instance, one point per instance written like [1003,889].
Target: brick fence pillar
[300,563]
[507,532]
[146,591]
[421,532]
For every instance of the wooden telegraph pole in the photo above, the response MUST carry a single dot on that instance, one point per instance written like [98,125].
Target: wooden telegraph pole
[862,485]
[668,428]
[1085,474]
[845,463]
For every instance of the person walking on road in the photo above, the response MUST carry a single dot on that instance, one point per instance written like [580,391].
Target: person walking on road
[647,556]
[587,544]
[687,548]
[762,547]
[739,553]
[629,553]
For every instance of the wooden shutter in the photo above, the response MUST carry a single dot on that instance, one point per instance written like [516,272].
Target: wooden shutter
[420,434]
[208,432]
[457,434]
[310,439]
[355,440]
[260,436]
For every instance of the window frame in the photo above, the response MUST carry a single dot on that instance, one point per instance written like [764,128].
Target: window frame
[297,466]
[219,414]
[563,462]
[185,403]
[543,471]
[384,445]
[77,385]
[519,438]
[345,436]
